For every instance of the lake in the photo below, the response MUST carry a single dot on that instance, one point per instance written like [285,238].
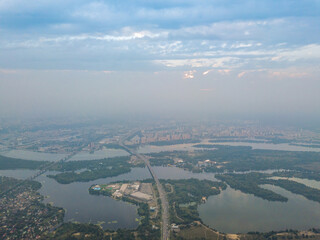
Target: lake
[235,212]
[231,211]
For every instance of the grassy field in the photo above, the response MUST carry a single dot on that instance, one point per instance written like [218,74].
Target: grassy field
[198,232]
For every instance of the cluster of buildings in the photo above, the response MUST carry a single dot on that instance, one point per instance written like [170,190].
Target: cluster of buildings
[23,216]
[146,137]
[136,190]
[208,163]
[67,138]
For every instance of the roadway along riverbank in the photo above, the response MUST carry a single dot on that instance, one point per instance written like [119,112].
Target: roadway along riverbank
[162,193]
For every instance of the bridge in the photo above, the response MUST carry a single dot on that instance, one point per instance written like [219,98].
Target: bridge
[162,193]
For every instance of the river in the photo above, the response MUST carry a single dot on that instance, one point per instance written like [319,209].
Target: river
[231,211]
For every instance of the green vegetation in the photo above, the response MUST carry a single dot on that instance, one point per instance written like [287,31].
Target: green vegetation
[306,145]
[249,183]
[298,174]
[235,158]
[89,175]
[72,231]
[144,230]
[94,169]
[196,232]
[164,161]
[184,191]
[90,164]
[201,232]
[7,163]
[22,208]
[7,183]
[297,188]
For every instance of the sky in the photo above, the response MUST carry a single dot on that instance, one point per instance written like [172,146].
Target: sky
[162,58]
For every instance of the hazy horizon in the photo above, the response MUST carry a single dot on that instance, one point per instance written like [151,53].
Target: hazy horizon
[165,59]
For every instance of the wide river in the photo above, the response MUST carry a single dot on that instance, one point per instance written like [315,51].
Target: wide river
[107,153]
[231,211]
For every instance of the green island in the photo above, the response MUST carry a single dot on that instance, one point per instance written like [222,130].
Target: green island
[84,171]
[298,174]
[184,195]
[8,163]
[250,183]
[238,158]
[305,145]
[140,193]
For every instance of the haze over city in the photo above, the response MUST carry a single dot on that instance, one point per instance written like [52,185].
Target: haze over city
[149,120]
[182,59]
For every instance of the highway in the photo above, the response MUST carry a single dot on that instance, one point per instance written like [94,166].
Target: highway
[162,193]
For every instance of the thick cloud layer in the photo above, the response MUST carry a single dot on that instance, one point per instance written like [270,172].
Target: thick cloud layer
[215,57]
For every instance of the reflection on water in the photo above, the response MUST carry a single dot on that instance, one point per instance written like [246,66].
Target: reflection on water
[178,173]
[107,153]
[82,207]
[307,182]
[30,155]
[104,153]
[233,211]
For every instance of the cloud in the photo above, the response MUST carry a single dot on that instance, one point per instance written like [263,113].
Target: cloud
[107,72]
[243,73]
[240,75]
[163,34]
[189,74]
[206,72]
[276,73]
[284,74]
[241,45]
[106,37]
[201,62]
[221,71]
[310,51]
[224,71]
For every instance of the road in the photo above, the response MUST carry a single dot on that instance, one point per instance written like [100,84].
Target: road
[162,193]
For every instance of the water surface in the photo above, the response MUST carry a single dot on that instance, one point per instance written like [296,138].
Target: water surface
[31,155]
[235,212]
[100,154]
[231,211]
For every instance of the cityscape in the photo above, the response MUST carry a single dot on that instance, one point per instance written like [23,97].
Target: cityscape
[159,120]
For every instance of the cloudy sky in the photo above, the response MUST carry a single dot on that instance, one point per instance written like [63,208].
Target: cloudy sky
[167,57]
